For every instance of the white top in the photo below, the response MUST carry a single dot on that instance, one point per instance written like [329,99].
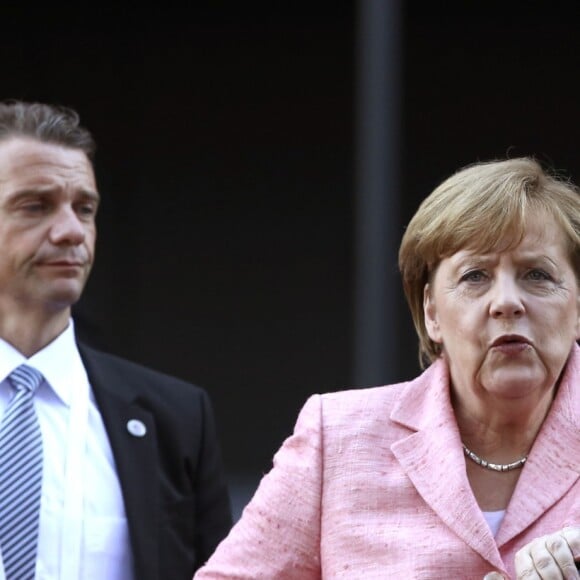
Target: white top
[83,525]
[494,520]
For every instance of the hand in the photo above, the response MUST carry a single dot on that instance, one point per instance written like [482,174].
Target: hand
[549,557]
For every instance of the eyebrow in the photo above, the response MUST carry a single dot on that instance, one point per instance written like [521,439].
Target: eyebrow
[474,257]
[45,191]
[527,257]
[89,193]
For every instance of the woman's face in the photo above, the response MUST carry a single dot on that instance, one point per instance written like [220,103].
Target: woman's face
[507,321]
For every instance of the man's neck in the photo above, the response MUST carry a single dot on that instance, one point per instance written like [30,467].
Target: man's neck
[30,331]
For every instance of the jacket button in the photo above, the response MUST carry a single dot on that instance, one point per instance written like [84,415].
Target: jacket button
[136,428]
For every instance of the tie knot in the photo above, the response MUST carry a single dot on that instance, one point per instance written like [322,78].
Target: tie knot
[25,377]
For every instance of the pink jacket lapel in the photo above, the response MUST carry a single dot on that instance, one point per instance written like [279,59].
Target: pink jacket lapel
[432,457]
[555,455]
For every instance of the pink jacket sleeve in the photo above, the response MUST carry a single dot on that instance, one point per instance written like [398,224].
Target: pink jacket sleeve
[278,535]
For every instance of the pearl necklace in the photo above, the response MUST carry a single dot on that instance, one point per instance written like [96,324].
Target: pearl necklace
[494,466]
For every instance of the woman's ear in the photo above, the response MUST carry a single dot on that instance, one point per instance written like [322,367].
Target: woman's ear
[430,314]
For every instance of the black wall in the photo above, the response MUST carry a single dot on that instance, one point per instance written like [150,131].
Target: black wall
[226,164]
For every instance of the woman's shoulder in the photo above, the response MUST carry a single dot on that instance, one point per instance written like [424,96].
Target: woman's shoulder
[386,394]
[364,396]
[369,405]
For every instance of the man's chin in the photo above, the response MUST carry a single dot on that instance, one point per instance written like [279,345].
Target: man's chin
[63,297]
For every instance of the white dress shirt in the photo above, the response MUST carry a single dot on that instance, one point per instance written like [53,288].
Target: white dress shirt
[83,526]
[494,520]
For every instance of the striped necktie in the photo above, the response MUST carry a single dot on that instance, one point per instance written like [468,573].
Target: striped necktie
[20,477]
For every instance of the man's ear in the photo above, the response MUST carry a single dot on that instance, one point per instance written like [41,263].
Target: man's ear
[430,314]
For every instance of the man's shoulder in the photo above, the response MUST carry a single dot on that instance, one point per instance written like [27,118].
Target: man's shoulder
[140,377]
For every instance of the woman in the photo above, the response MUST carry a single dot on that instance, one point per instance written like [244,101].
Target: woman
[477,459]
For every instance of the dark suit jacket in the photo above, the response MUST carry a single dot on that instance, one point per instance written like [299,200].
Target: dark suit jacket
[172,477]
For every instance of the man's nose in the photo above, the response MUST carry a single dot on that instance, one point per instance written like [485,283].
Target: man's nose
[67,228]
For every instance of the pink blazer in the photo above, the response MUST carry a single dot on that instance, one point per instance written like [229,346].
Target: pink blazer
[372,484]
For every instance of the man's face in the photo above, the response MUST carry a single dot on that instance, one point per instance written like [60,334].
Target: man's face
[48,205]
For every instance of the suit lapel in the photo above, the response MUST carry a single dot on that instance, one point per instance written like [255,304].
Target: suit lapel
[432,457]
[135,452]
[554,454]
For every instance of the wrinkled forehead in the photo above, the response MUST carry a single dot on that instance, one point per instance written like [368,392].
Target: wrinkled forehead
[26,161]
[538,230]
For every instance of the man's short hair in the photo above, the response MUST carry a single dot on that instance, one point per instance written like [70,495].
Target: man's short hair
[46,123]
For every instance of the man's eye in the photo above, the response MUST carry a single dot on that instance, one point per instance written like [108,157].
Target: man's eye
[34,207]
[87,209]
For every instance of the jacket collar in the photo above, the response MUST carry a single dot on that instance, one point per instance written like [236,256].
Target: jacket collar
[136,457]
[432,456]
[554,454]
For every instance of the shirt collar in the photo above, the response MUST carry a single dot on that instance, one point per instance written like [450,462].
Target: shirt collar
[59,362]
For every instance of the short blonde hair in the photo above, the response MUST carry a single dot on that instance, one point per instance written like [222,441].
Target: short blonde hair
[475,209]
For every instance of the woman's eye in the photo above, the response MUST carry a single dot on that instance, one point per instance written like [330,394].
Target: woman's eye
[538,275]
[473,276]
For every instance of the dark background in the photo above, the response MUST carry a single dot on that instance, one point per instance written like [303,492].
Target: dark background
[226,161]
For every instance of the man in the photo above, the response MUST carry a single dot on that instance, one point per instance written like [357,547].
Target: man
[132,483]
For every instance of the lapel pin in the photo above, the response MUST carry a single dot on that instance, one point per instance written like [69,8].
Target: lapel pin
[136,428]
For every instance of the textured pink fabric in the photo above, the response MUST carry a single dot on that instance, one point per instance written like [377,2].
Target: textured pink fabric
[372,484]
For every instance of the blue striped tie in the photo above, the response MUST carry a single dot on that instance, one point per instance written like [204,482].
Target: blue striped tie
[20,477]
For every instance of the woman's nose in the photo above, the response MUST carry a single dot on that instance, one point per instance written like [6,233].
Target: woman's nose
[506,300]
